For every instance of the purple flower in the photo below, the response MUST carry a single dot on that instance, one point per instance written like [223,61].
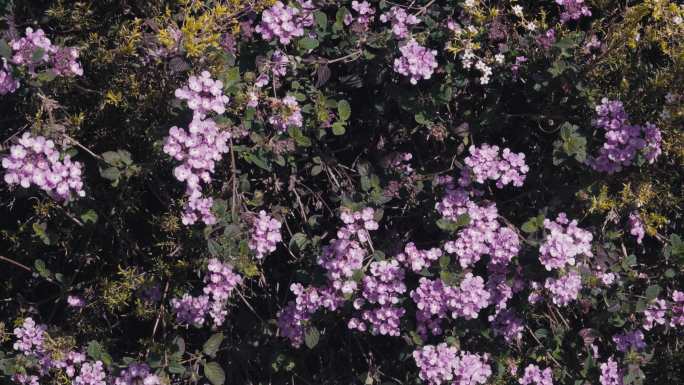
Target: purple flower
[8,84]
[203,94]
[264,235]
[573,10]
[507,168]
[630,340]
[91,374]
[437,364]
[623,140]
[287,114]
[137,374]
[75,301]
[30,337]
[655,314]
[564,242]
[416,259]
[636,226]
[36,160]
[400,21]
[282,22]
[416,61]
[564,289]
[198,149]
[535,376]
[610,373]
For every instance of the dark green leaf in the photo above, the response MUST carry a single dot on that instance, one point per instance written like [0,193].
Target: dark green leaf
[214,373]
[311,337]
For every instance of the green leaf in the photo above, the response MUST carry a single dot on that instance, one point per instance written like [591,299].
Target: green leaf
[338,128]
[308,43]
[176,367]
[95,350]
[46,76]
[315,170]
[38,54]
[420,118]
[214,373]
[40,230]
[212,345]
[89,216]
[111,157]
[41,268]
[110,173]
[344,109]
[5,49]
[321,19]
[311,337]
[530,226]
[652,292]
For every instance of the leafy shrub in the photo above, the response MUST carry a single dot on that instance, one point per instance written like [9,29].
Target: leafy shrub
[340,192]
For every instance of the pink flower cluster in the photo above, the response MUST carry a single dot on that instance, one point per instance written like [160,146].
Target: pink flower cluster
[198,148]
[565,288]
[416,61]
[485,162]
[91,374]
[655,314]
[623,140]
[435,301]
[220,282]
[8,84]
[34,50]
[677,309]
[416,259]
[37,160]
[283,23]
[264,235]
[573,10]
[636,226]
[610,373]
[443,364]
[508,325]
[293,319]
[287,113]
[383,287]
[136,374]
[400,20]
[366,14]
[203,94]
[629,340]
[30,337]
[341,258]
[564,242]
[32,343]
[535,376]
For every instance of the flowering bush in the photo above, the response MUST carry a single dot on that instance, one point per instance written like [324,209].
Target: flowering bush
[370,192]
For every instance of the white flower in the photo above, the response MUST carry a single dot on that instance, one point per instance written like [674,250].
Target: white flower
[518,10]
[470,3]
[677,20]
[499,58]
[531,26]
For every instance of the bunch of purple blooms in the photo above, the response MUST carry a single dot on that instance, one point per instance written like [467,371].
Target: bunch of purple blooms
[400,20]
[287,113]
[443,364]
[416,61]
[203,94]
[37,161]
[623,140]
[136,374]
[534,375]
[485,162]
[220,282]
[636,226]
[573,10]
[283,23]
[610,373]
[382,287]
[565,288]
[198,149]
[366,14]
[33,51]
[264,235]
[564,243]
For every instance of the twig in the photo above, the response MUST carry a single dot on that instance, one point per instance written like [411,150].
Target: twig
[15,263]
[161,310]
[84,148]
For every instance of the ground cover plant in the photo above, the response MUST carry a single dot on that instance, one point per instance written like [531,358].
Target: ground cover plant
[341,192]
